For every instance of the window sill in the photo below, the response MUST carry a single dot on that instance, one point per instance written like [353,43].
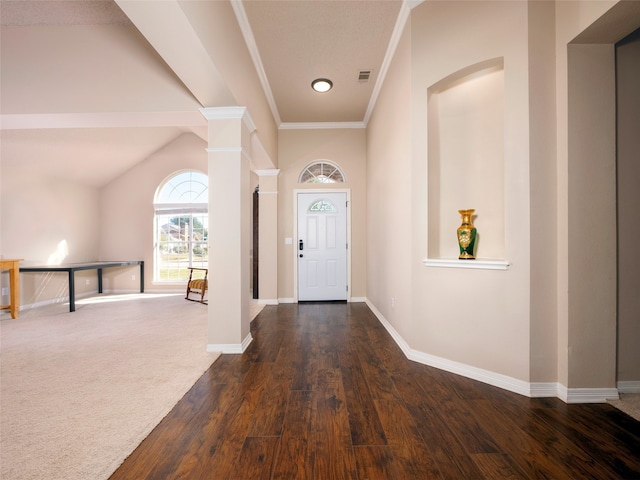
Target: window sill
[478,264]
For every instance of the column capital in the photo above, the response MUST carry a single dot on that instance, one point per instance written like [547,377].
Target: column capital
[228,113]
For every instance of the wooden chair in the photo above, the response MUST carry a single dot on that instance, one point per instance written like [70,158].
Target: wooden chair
[197,286]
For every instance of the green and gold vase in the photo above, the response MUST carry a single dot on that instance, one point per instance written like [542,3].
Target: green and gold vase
[467,236]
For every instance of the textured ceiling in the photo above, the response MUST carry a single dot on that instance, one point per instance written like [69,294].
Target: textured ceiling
[77,75]
[22,13]
[299,41]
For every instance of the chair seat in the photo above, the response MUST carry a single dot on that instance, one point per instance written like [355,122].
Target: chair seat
[197,286]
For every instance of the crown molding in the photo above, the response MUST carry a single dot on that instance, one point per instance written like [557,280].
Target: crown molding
[100,120]
[228,113]
[245,28]
[250,41]
[320,125]
[401,21]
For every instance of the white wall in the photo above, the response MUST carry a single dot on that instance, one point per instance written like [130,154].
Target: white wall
[478,318]
[475,317]
[299,148]
[543,189]
[76,63]
[587,277]
[126,210]
[628,74]
[545,322]
[389,197]
[217,26]
[48,220]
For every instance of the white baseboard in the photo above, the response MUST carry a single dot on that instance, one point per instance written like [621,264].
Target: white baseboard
[586,395]
[392,331]
[491,378]
[629,387]
[112,291]
[528,389]
[268,301]
[246,342]
[230,348]
[80,296]
[543,389]
[293,300]
[58,300]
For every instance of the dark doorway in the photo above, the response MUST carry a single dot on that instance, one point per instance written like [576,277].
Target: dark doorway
[256,217]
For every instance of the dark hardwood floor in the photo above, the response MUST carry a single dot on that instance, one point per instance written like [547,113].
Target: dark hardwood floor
[324,393]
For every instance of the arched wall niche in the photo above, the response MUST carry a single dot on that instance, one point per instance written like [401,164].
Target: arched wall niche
[465,123]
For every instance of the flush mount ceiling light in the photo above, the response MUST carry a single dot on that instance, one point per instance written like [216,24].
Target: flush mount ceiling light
[321,85]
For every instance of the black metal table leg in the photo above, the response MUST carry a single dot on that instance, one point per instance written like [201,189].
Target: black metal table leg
[72,292]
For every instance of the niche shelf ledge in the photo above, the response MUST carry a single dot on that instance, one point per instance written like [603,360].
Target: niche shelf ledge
[478,264]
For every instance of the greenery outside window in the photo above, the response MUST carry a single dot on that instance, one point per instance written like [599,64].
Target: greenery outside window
[181,226]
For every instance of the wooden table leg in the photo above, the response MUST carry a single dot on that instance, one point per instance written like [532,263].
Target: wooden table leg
[14,285]
[13,266]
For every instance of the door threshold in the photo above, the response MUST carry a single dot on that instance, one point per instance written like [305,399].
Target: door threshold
[322,301]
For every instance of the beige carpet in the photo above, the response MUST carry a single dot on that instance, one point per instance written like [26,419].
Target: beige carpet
[629,403]
[79,391]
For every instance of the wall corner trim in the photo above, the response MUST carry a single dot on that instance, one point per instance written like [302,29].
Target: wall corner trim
[543,389]
[586,395]
[629,387]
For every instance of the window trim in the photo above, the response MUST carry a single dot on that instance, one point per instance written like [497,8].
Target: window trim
[178,209]
[313,177]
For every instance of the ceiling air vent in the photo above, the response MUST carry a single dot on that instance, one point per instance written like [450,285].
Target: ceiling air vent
[364,75]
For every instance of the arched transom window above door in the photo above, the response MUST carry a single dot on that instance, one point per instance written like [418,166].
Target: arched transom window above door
[322,172]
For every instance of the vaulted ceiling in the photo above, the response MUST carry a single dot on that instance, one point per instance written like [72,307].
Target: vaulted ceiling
[89,88]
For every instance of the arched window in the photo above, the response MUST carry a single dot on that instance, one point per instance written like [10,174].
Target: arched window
[181,226]
[321,172]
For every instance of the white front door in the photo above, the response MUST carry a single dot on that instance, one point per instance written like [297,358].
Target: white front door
[322,246]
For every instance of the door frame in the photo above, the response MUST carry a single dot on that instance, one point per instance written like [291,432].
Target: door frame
[295,234]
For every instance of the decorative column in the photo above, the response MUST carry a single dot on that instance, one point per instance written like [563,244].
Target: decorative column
[229,153]
[268,236]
